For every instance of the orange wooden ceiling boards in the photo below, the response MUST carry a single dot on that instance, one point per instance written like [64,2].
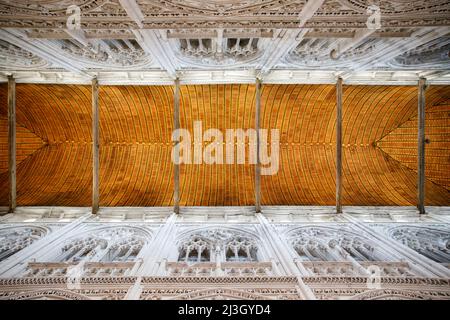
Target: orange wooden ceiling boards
[305,116]
[54,141]
[59,171]
[221,107]
[136,124]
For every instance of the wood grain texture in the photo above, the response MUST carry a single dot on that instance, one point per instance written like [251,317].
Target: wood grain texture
[60,171]
[54,145]
[401,143]
[305,114]
[221,107]
[306,118]
[371,176]
[136,124]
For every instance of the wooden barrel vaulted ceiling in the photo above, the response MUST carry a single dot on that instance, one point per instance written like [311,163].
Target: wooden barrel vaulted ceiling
[54,141]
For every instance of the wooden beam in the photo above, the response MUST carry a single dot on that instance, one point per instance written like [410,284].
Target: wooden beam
[12,143]
[339,145]
[95,147]
[176,125]
[258,147]
[421,147]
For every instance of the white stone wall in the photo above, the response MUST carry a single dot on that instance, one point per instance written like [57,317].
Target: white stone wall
[283,253]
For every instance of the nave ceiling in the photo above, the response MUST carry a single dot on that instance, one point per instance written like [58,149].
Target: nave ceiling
[54,145]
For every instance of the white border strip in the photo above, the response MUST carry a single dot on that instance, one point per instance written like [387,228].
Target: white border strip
[158,77]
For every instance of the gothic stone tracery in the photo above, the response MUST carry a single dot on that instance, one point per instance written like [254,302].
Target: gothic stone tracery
[83,263]
[229,34]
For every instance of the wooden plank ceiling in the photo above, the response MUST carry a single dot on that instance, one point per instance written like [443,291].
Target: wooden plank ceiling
[54,139]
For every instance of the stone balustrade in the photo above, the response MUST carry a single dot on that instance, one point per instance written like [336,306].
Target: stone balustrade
[227,269]
[346,268]
[88,269]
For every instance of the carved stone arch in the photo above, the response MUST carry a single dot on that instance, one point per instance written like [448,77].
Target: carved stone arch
[102,228]
[393,294]
[15,238]
[202,53]
[105,243]
[47,294]
[51,7]
[235,230]
[313,53]
[204,242]
[432,55]
[114,56]
[331,229]
[334,243]
[220,294]
[195,248]
[221,7]
[394,6]
[15,57]
[42,229]
[431,242]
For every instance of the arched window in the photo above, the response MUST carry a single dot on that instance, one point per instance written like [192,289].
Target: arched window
[12,240]
[124,250]
[308,249]
[195,249]
[332,244]
[356,248]
[105,245]
[217,244]
[82,249]
[433,243]
[240,249]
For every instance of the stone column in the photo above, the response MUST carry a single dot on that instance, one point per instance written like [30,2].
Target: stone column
[281,252]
